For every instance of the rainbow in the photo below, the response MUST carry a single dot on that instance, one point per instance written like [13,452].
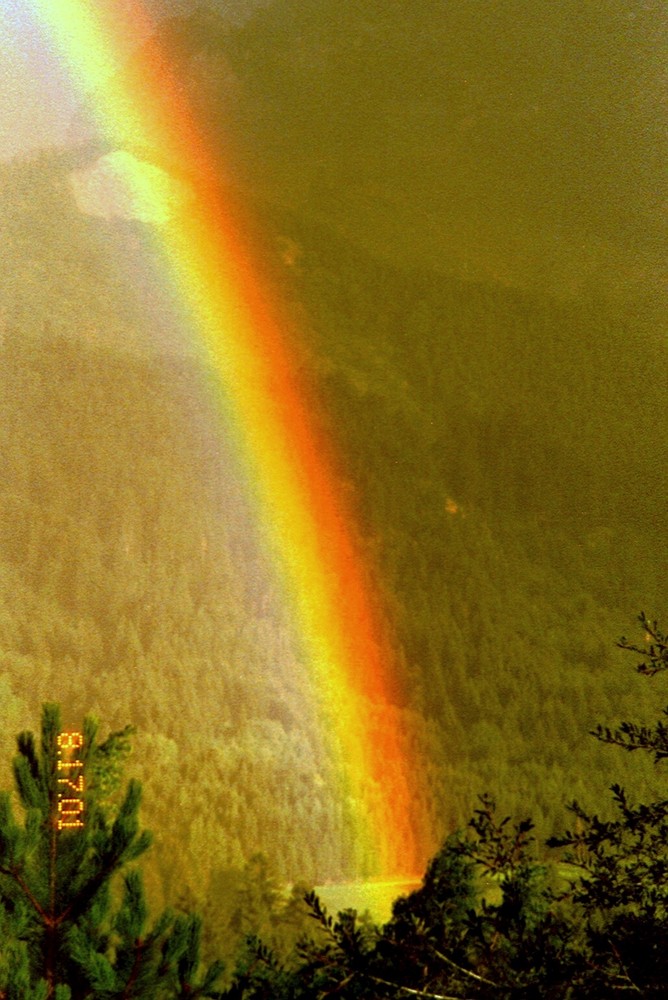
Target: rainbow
[306,526]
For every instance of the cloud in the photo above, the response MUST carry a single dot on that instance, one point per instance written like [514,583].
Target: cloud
[119,185]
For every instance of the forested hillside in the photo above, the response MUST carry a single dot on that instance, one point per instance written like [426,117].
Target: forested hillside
[503,454]
[503,446]
[492,918]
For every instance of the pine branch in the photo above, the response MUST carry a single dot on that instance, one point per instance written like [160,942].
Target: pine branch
[655,651]
[465,972]
[13,874]
[80,903]
[415,993]
[630,736]
[140,949]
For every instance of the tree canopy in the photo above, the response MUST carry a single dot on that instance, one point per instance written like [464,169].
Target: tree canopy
[68,931]
[495,920]
[495,917]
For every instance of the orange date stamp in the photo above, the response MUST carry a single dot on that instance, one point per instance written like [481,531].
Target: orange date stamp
[70,781]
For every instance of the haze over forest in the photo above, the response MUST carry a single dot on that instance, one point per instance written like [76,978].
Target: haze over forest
[462,211]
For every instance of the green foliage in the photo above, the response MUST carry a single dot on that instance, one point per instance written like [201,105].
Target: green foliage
[491,921]
[630,735]
[502,544]
[622,863]
[480,437]
[63,937]
[129,582]
[442,940]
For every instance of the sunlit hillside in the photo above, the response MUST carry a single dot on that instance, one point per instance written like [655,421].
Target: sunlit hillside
[493,446]
[489,370]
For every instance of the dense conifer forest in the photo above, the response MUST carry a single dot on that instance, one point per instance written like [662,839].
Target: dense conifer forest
[491,917]
[497,423]
[502,452]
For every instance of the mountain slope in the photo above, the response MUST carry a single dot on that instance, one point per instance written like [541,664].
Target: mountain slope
[510,551]
[521,142]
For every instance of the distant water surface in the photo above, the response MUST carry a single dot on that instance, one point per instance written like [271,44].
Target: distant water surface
[376,897]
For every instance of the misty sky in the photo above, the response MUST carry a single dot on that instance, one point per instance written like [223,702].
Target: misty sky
[542,126]
[37,103]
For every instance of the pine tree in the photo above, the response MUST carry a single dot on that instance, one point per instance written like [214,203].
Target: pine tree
[65,932]
[622,863]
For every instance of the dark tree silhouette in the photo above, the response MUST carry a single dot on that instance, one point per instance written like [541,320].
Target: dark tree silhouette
[64,936]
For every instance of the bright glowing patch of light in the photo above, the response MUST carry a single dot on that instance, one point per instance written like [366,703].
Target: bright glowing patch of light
[120,185]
